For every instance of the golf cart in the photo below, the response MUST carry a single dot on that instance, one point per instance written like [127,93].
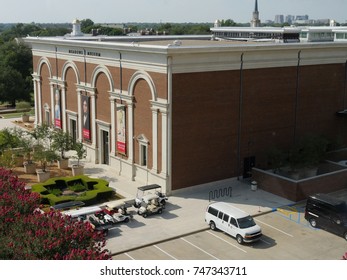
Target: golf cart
[95,216]
[150,204]
[153,190]
[99,225]
[118,211]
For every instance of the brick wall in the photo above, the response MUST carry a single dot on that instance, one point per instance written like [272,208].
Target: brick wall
[277,106]
[299,190]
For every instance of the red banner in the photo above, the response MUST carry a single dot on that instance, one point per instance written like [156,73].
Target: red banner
[121,147]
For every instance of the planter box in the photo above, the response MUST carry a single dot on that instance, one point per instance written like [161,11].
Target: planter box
[63,163]
[25,118]
[77,170]
[43,176]
[29,168]
[18,160]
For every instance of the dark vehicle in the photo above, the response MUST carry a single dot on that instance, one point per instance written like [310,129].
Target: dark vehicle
[327,212]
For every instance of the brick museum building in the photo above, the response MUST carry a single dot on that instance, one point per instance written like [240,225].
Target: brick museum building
[185,111]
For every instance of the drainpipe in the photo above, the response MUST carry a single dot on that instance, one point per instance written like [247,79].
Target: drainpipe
[240,119]
[344,88]
[120,72]
[296,96]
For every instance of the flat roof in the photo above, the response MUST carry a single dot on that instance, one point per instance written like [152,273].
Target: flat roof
[258,29]
[159,42]
[163,43]
[192,43]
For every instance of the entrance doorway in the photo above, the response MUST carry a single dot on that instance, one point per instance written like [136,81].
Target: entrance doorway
[248,164]
[105,149]
[73,130]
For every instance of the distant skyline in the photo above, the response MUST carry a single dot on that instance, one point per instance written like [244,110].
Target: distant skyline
[115,11]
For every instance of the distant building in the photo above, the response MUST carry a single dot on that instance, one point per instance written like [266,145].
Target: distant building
[275,34]
[305,17]
[325,21]
[290,19]
[279,19]
[113,25]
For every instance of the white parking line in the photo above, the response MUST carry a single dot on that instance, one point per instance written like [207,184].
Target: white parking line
[199,248]
[226,241]
[130,257]
[166,253]
[274,228]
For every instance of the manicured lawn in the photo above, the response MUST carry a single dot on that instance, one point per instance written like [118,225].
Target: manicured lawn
[17,115]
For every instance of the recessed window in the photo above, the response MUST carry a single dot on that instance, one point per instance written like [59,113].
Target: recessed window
[47,117]
[143,149]
[143,155]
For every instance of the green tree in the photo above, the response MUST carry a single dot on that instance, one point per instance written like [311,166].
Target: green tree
[228,22]
[87,25]
[12,85]
[15,71]
[47,32]
[17,31]
[110,31]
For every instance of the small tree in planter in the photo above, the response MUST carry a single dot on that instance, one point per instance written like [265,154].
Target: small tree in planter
[44,155]
[43,150]
[27,144]
[81,153]
[62,142]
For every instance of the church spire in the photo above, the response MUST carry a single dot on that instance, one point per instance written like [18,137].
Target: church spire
[255,22]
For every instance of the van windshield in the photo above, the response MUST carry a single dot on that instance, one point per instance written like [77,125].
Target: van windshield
[246,222]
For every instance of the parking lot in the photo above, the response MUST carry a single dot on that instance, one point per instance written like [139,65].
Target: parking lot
[286,236]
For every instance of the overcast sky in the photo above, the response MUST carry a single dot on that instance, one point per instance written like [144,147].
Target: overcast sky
[117,11]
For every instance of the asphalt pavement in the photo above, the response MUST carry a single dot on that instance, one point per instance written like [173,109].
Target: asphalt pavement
[184,211]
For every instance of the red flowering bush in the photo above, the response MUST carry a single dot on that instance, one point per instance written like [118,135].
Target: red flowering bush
[28,234]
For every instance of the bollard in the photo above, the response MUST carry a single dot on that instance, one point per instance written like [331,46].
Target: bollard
[254,185]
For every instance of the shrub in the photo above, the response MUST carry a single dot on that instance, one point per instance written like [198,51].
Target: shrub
[23,106]
[77,188]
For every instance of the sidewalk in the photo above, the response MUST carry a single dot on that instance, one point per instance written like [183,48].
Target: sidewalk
[184,212]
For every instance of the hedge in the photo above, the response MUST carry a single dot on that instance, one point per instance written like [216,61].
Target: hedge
[95,190]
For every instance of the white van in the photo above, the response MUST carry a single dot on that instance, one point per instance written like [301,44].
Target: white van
[233,221]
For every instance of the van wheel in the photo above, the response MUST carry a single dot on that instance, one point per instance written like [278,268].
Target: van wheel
[239,239]
[213,226]
[313,223]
